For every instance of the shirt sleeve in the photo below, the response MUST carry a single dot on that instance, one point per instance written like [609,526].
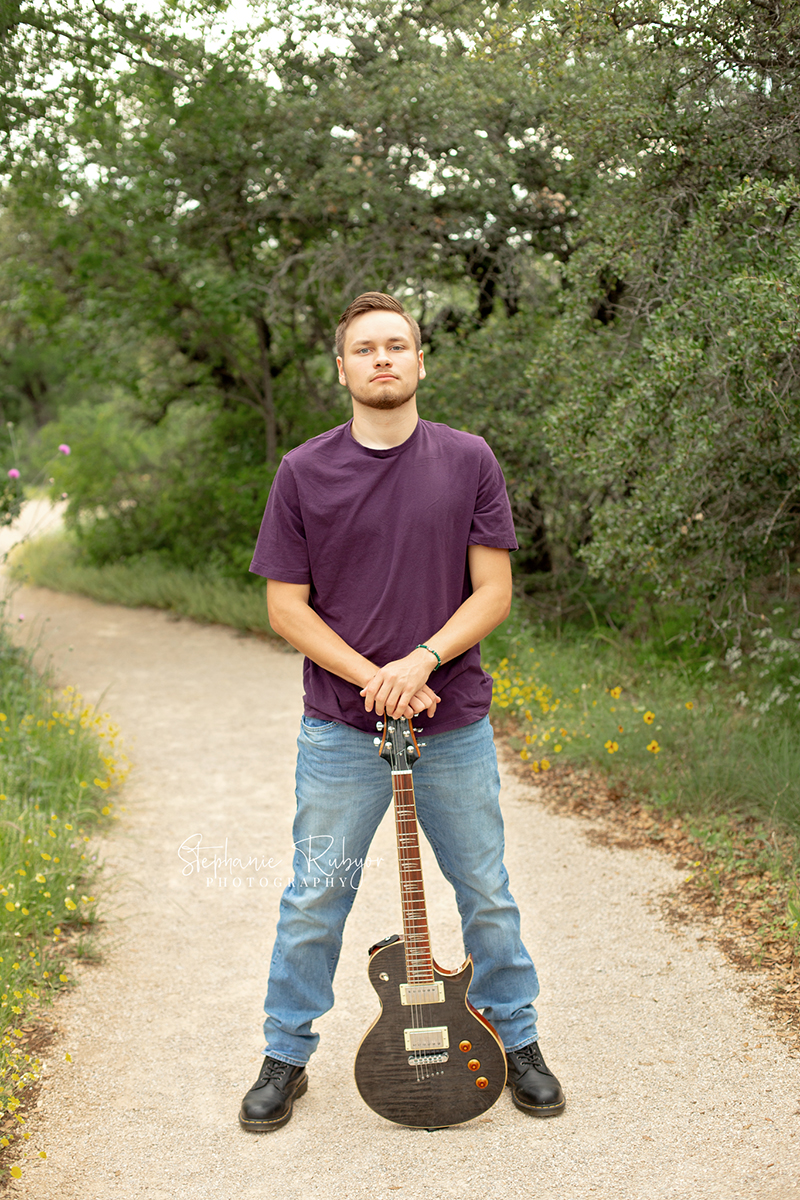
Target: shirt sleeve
[281,548]
[492,523]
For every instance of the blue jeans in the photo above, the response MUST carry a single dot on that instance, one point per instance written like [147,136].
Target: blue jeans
[343,791]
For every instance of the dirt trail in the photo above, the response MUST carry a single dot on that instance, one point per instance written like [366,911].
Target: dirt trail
[675,1086]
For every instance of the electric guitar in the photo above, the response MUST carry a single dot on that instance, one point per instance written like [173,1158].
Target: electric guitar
[429,1059]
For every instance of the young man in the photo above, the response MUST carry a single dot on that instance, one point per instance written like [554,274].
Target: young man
[385,547]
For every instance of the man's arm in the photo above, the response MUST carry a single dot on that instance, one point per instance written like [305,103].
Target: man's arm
[292,618]
[390,688]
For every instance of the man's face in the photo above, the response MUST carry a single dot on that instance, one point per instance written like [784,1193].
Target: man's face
[380,366]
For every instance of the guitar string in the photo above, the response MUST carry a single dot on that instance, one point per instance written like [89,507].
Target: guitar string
[411,880]
[407,832]
[407,874]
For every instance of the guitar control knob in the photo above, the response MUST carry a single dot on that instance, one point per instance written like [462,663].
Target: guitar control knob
[465,1046]
[482,1082]
[474,1065]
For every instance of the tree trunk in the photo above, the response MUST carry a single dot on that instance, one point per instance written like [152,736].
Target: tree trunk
[267,395]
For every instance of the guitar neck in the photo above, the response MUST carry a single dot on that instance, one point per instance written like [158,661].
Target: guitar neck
[417,942]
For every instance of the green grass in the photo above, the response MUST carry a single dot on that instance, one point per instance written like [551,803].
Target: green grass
[59,761]
[681,735]
[55,561]
[703,745]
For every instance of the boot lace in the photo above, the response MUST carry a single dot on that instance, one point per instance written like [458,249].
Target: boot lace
[271,1069]
[531,1056]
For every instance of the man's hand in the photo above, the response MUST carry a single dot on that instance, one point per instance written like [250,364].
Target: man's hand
[400,689]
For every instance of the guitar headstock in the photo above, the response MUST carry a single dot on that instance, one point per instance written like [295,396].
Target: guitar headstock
[397,743]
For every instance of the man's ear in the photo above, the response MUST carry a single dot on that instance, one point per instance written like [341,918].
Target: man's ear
[340,366]
[421,365]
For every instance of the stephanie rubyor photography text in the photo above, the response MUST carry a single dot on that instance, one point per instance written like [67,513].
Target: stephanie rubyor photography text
[322,857]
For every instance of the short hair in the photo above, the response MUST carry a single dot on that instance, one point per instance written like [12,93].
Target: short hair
[373,302]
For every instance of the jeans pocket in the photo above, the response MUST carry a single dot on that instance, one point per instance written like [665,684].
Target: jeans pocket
[317,725]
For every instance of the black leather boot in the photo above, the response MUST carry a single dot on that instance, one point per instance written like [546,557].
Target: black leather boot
[534,1088]
[268,1104]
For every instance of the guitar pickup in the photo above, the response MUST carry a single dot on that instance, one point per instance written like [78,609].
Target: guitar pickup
[433,1038]
[422,993]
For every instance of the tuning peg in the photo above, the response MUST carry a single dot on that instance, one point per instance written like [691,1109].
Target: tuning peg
[379,724]
[422,745]
[376,741]
[417,729]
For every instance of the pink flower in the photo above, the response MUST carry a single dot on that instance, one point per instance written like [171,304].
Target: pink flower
[21,617]
[13,473]
[64,449]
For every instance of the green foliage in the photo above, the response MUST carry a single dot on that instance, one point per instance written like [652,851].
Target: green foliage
[689,441]
[673,368]
[223,199]
[190,490]
[56,562]
[58,761]
[10,501]
[592,209]
[678,735]
[478,380]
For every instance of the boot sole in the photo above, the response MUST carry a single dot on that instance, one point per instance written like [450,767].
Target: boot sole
[537,1110]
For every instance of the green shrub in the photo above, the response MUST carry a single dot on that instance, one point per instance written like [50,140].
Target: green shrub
[59,761]
[57,562]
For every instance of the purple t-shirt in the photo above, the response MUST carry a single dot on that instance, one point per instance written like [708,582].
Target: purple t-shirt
[381,536]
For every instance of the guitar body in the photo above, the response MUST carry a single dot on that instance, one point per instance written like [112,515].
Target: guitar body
[434,1088]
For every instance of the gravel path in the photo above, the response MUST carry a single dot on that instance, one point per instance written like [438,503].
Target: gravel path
[675,1086]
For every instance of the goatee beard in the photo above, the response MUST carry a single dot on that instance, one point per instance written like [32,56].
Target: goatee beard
[386,399]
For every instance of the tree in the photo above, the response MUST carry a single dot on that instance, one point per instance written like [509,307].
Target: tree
[675,360]
[223,211]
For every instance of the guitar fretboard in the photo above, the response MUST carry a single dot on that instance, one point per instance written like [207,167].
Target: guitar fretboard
[419,963]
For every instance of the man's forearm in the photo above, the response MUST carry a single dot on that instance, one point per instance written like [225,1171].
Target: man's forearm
[307,632]
[479,614]
[291,616]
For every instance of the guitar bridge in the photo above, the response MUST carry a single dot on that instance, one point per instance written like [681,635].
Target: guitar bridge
[433,1038]
[422,993]
[423,1060]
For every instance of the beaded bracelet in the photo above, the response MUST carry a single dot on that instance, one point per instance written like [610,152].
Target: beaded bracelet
[430,650]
